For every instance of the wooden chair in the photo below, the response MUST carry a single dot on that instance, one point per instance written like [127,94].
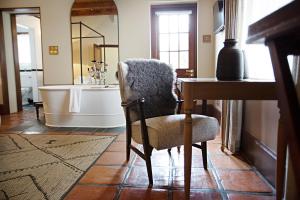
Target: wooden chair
[150,104]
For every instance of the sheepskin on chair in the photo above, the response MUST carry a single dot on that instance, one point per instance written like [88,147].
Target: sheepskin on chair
[154,81]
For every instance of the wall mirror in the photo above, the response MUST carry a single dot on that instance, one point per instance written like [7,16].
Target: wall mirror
[95,44]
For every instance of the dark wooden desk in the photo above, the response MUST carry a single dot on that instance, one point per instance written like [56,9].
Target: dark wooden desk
[212,89]
[280,31]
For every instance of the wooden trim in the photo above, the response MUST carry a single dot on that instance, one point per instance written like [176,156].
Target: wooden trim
[87,8]
[4,108]
[16,61]
[107,45]
[259,156]
[22,10]
[22,33]
[192,35]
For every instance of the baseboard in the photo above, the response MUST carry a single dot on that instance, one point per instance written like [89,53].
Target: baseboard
[259,156]
[4,110]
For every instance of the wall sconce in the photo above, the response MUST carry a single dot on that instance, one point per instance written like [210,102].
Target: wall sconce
[53,50]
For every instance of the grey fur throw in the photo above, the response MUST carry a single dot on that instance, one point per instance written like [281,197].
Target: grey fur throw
[154,81]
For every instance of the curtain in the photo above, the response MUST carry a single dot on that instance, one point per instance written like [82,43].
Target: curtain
[232,109]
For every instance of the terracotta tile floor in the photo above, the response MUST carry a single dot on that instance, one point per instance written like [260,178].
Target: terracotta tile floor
[111,177]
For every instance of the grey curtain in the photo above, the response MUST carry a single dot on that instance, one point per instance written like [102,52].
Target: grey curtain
[232,109]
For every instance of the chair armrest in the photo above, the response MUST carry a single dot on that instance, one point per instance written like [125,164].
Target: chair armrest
[132,103]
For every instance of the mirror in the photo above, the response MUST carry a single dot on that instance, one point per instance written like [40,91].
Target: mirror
[95,44]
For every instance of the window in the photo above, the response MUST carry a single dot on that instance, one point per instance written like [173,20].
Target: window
[258,56]
[24,51]
[173,36]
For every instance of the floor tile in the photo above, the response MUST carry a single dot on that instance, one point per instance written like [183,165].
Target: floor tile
[178,161]
[104,175]
[117,146]
[246,181]
[249,197]
[121,138]
[139,177]
[214,148]
[157,160]
[197,195]
[105,134]
[112,158]
[143,194]
[87,192]
[228,162]
[200,178]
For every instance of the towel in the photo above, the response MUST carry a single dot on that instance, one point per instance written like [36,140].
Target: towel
[75,99]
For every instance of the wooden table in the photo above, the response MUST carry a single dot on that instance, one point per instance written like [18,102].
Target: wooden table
[212,89]
[280,31]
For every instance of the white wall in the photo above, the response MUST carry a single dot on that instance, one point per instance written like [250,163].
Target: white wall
[134,28]
[206,51]
[55,25]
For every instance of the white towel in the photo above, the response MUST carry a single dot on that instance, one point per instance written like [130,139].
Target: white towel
[75,99]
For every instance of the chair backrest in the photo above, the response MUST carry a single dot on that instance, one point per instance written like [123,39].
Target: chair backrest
[149,79]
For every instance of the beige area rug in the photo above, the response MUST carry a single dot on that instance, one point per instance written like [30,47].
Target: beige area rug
[45,166]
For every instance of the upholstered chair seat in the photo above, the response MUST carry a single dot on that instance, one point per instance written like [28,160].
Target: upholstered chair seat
[165,132]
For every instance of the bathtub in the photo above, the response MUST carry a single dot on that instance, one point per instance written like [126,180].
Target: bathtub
[100,106]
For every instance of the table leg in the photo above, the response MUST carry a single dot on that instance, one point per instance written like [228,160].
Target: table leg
[281,160]
[188,105]
[223,124]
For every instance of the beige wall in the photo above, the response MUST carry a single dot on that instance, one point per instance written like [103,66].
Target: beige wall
[134,26]
[55,25]
[261,121]
[134,34]
[206,51]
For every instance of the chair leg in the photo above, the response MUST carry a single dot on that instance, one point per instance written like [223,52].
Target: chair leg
[147,152]
[204,154]
[128,143]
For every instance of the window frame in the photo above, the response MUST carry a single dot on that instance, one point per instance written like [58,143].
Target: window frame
[192,35]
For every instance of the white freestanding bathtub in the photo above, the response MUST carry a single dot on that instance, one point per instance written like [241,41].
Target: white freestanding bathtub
[100,106]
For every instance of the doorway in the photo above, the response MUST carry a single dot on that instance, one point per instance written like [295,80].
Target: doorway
[21,57]
[29,57]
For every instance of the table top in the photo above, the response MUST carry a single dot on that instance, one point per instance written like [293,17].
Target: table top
[215,80]
[284,22]
[213,89]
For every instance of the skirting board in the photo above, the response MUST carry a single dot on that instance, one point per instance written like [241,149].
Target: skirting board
[259,156]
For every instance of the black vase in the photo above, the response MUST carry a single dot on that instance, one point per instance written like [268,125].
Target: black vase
[230,64]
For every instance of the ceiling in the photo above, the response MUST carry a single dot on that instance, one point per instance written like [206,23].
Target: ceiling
[94,7]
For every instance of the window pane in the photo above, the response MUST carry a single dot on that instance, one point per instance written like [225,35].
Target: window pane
[184,59]
[24,51]
[183,23]
[174,59]
[173,23]
[184,41]
[164,42]
[163,23]
[174,42]
[164,57]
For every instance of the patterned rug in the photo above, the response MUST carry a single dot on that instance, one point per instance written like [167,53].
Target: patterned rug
[45,166]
